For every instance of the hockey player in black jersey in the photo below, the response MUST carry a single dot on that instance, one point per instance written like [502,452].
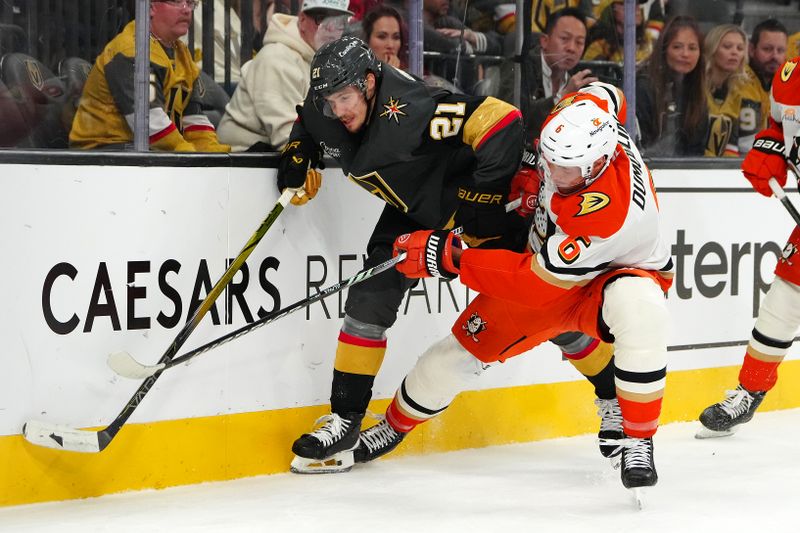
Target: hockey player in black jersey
[438,160]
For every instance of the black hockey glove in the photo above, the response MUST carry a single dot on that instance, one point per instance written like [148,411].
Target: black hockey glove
[297,158]
[483,216]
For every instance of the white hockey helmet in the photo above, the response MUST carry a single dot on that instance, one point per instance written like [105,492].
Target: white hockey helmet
[579,136]
[614,98]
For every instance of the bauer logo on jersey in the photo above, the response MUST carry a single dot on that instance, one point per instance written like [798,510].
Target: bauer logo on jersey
[394,110]
[787,70]
[592,202]
[475,324]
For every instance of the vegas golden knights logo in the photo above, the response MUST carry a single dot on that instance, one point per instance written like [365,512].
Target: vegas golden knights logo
[592,202]
[719,135]
[35,74]
[374,184]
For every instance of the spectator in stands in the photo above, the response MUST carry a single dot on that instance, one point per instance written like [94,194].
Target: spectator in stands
[671,105]
[219,41]
[446,34]
[733,104]
[606,38]
[385,33]
[105,115]
[443,32]
[767,52]
[505,12]
[546,68]
[793,44]
[261,112]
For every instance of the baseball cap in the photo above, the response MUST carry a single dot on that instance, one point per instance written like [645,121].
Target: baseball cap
[339,6]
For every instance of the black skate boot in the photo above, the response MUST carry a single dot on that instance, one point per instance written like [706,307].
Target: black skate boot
[638,471]
[721,419]
[638,468]
[376,441]
[328,448]
[610,436]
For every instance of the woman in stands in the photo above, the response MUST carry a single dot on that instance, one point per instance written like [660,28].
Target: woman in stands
[670,100]
[734,104]
[385,32]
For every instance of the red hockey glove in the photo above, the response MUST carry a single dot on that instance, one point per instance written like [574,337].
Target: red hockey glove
[525,186]
[766,160]
[429,253]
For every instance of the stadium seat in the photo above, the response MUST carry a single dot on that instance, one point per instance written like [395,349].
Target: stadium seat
[73,72]
[12,39]
[213,98]
[40,97]
[14,128]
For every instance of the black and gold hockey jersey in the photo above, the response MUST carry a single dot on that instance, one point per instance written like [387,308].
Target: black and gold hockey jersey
[735,116]
[423,150]
[105,113]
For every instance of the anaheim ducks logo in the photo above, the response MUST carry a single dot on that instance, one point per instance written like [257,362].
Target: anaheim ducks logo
[787,70]
[563,103]
[592,202]
[474,325]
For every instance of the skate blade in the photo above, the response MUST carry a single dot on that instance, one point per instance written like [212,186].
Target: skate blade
[638,497]
[336,464]
[706,433]
[616,461]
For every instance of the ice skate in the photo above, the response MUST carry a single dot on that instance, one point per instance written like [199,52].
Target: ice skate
[638,470]
[610,436]
[329,448]
[377,441]
[722,419]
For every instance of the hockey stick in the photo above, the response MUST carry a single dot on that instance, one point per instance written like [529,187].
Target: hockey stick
[779,193]
[125,365]
[79,440]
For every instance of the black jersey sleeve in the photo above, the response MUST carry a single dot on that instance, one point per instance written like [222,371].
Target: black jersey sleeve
[493,129]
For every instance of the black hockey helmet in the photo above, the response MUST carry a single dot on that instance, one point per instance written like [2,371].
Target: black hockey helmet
[339,64]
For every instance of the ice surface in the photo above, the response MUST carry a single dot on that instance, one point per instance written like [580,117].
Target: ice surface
[747,482]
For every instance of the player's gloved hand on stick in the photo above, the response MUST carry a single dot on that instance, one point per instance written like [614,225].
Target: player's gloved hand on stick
[297,169]
[525,187]
[429,253]
[766,160]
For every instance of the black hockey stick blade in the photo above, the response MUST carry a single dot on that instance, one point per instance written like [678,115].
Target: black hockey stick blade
[62,437]
[125,365]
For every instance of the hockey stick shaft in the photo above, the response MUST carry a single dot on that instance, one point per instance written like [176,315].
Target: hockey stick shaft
[272,317]
[78,440]
[779,193]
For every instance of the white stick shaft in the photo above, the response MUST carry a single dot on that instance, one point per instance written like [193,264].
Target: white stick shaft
[777,190]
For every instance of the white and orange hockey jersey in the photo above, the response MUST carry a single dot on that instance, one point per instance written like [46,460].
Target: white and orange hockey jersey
[611,224]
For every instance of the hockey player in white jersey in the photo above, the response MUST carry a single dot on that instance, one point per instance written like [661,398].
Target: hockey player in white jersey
[775,149]
[597,263]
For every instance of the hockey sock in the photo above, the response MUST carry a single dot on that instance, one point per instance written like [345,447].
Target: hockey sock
[596,363]
[639,418]
[759,371]
[358,360]
[404,414]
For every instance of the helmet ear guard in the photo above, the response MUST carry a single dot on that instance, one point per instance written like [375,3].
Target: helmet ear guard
[581,135]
